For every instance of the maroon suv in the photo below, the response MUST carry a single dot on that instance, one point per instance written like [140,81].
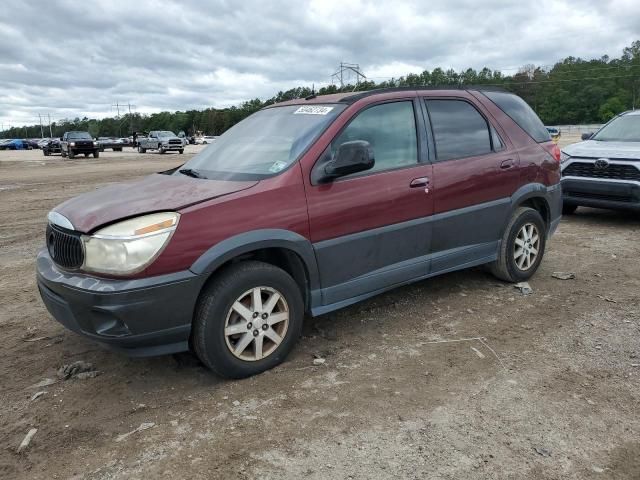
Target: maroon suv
[304,207]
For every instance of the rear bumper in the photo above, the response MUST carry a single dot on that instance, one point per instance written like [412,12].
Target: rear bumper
[141,317]
[601,193]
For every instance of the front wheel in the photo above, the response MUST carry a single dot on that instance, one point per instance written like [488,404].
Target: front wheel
[86,155]
[96,154]
[71,154]
[248,319]
[522,246]
[181,151]
[141,150]
[161,150]
[568,209]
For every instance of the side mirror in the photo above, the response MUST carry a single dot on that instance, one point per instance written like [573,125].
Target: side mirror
[351,157]
[587,136]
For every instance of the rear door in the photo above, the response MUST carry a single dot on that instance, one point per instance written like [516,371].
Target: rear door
[370,230]
[475,172]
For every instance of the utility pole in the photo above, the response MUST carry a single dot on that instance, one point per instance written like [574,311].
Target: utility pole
[50,134]
[41,130]
[349,68]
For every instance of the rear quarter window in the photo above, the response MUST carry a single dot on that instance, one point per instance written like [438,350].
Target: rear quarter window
[521,113]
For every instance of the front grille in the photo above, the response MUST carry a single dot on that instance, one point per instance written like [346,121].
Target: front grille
[175,142]
[65,247]
[613,171]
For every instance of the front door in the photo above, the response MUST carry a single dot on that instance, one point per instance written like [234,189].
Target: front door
[370,230]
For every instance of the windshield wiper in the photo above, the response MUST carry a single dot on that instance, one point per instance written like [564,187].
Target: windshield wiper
[190,172]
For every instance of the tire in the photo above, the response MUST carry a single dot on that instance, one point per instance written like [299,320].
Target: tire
[102,149]
[96,154]
[181,151]
[63,154]
[141,150]
[568,209]
[86,155]
[506,266]
[71,154]
[161,151]
[45,153]
[233,285]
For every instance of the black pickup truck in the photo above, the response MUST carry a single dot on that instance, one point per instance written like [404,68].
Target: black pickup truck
[77,143]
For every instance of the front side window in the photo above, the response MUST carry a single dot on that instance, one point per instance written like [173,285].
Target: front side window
[390,129]
[459,130]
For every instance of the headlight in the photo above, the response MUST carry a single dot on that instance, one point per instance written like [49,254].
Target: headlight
[564,157]
[95,144]
[130,246]
[72,144]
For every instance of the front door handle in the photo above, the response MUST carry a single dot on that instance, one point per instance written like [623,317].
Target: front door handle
[419,182]
[507,164]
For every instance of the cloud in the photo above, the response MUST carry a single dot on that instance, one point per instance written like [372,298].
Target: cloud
[68,58]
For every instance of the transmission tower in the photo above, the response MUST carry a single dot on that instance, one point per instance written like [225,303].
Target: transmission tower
[345,72]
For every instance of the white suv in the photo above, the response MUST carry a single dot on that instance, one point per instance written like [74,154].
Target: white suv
[604,170]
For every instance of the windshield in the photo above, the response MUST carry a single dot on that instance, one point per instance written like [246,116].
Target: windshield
[622,129]
[79,135]
[166,133]
[265,143]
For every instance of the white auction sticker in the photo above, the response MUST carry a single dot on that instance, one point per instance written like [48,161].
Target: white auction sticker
[313,110]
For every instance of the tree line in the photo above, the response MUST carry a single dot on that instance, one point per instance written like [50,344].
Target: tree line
[573,91]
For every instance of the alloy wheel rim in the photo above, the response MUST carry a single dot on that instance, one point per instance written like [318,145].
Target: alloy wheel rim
[526,246]
[256,323]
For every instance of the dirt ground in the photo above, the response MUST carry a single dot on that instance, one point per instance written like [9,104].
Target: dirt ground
[456,377]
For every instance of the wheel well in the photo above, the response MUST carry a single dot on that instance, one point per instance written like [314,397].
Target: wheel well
[541,206]
[283,258]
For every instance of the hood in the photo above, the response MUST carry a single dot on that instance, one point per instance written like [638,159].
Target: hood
[595,149]
[154,193]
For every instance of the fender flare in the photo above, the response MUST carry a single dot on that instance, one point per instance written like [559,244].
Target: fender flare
[247,242]
[532,190]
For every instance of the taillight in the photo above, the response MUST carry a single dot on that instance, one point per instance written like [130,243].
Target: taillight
[553,149]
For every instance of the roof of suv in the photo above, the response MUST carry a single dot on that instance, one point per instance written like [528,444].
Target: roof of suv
[352,97]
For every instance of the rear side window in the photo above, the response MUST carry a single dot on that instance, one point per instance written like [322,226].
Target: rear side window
[521,113]
[459,130]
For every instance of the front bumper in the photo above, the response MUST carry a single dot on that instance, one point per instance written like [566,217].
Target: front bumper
[172,147]
[142,317]
[601,193]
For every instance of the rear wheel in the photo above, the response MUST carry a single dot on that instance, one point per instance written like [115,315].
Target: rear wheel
[568,209]
[141,150]
[96,154]
[522,246]
[248,319]
[45,153]
[86,155]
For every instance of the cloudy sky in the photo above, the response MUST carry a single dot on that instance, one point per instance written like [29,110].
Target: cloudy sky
[71,58]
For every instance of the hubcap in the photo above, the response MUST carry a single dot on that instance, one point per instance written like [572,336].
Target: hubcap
[527,244]
[256,323]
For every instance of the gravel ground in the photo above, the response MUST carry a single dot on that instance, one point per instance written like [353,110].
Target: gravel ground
[454,377]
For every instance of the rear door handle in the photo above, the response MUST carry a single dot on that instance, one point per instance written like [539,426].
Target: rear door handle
[419,182]
[507,164]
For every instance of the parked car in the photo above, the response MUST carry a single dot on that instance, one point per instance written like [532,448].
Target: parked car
[205,139]
[604,170]
[304,207]
[78,143]
[16,144]
[555,133]
[42,142]
[51,147]
[161,140]
[114,144]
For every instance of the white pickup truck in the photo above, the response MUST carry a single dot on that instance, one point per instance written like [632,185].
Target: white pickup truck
[161,140]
